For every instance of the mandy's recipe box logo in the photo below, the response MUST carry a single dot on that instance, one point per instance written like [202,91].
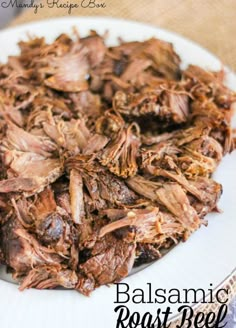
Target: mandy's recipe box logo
[160,318]
[59,4]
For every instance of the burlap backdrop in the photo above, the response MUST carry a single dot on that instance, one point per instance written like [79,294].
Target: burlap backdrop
[211,23]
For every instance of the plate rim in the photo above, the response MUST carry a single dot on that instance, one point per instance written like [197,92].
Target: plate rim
[118,20]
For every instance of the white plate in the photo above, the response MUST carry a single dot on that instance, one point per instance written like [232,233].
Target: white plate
[207,258]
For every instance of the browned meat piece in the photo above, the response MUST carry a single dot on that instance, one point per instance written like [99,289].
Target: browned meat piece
[96,49]
[134,68]
[31,166]
[85,285]
[159,153]
[48,224]
[76,196]
[22,250]
[96,143]
[197,74]
[164,59]
[217,119]
[120,155]
[173,197]
[212,190]
[144,187]
[29,158]
[164,106]
[50,229]
[149,222]
[109,124]
[47,277]
[69,73]
[33,171]
[141,219]
[18,185]
[135,64]
[72,135]
[87,104]
[53,224]
[179,178]
[102,187]
[111,260]
[161,55]
[106,156]
[20,140]
[146,253]
[88,234]
[212,84]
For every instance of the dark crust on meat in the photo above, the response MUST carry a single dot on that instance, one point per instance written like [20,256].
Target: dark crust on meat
[106,156]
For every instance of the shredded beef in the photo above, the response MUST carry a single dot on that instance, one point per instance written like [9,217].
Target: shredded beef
[107,157]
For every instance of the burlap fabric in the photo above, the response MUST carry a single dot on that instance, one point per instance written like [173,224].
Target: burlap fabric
[211,23]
